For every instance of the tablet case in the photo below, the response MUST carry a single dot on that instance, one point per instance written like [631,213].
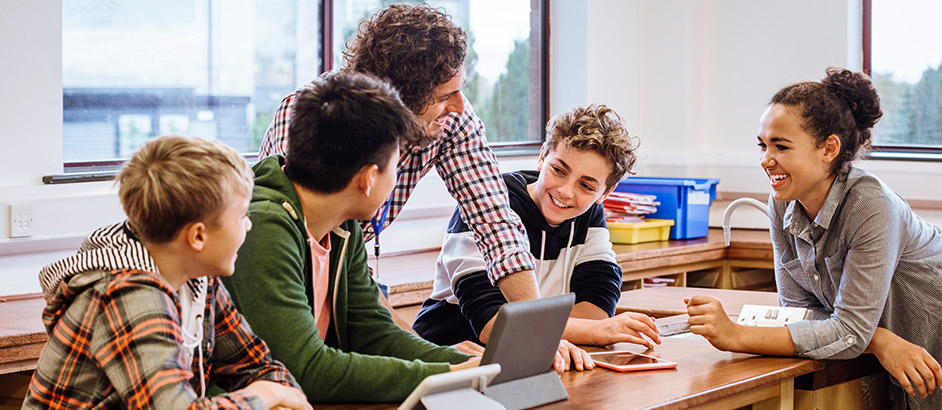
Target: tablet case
[524,341]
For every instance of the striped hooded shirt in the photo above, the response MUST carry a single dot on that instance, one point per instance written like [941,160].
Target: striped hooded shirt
[120,337]
[575,256]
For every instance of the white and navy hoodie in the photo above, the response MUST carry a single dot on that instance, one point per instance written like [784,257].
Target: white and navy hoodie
[575,256]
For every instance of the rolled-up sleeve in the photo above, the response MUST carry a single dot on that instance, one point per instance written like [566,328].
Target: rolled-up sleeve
[469,169]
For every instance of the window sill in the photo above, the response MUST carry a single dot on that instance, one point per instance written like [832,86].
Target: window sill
[904,156]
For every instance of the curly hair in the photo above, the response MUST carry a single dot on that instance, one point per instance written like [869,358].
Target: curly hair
[844,103]
[414,47]
[599,129]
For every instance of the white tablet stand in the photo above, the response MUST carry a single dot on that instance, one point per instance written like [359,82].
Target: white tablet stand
[458,390]
[528,392]
[461,399]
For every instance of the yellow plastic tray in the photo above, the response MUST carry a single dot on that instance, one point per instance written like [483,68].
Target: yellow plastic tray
[650,230]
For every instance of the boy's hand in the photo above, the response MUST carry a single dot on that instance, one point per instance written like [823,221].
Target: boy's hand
[908,363]
[569,354]
[276,395]
[469,347]
[469,364]
[708,319]
[626,327]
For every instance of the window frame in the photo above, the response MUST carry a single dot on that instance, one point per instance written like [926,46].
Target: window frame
[889,152]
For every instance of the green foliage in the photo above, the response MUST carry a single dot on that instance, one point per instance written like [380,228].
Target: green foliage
[912,113]
[506,115]
[257,133]
[475,87]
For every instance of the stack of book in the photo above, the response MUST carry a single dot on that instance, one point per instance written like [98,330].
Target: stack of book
[627,207]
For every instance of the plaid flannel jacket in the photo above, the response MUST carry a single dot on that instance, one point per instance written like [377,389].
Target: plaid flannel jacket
[469,169]
[117,342]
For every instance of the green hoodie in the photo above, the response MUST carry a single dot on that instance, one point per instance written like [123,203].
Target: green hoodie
[366,357]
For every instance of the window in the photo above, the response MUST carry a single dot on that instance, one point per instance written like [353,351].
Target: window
[135,69]
[216,69]
[504,62]
[902,54]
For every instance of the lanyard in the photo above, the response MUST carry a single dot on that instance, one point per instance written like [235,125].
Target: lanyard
[378,225]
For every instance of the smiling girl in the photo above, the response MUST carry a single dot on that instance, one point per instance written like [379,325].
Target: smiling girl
[846,246]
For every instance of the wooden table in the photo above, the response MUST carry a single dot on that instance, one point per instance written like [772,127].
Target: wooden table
[707,378]
[704,378]
[833,384]
[22,334]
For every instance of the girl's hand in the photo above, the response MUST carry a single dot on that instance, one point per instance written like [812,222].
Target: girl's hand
[909,364]
[708,319]
[568,353]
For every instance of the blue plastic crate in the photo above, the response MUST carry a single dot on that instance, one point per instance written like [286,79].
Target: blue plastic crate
[685,200]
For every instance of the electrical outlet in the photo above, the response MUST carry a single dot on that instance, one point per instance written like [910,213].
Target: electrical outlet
[21,220]
[760,315]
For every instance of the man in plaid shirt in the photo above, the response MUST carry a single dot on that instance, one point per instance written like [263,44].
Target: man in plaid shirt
[420,51]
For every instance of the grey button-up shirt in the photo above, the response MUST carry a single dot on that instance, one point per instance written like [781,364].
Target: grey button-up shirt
[866,260]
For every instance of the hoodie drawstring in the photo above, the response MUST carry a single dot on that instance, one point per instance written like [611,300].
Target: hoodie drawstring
[567,273]
[539,275]
[189,342]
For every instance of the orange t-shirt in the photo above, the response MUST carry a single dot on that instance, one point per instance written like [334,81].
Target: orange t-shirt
[320,279]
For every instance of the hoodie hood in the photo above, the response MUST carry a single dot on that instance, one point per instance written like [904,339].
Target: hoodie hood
[107,249]
[113,249]
[272,185]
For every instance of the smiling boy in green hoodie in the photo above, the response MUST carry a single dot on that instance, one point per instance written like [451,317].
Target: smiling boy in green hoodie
[302,280]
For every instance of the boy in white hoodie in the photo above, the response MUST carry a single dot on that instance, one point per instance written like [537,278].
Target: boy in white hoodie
[587,151]
[138,317]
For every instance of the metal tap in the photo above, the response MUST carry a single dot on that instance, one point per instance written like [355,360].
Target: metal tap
[728,214]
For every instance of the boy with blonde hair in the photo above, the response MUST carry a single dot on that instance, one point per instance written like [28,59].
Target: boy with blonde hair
[138,317]
[587,151]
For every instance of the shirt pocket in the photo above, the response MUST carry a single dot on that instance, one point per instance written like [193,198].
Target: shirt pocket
[835,271]
[794,269]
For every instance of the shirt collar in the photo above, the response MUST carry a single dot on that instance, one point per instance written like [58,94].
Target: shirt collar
[795,221]
[835,195]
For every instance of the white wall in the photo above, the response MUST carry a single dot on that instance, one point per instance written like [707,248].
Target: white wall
[690,77]
[693,77]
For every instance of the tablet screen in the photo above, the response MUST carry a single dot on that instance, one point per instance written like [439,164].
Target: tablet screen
[628,361]
[624,358]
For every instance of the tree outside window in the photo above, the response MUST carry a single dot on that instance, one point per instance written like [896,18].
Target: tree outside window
[906,66]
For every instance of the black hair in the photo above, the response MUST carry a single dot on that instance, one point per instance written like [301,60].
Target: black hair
[844,104]
[345,122]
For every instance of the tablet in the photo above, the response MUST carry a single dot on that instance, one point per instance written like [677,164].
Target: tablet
[475,378]
[628,361]
[526,335]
